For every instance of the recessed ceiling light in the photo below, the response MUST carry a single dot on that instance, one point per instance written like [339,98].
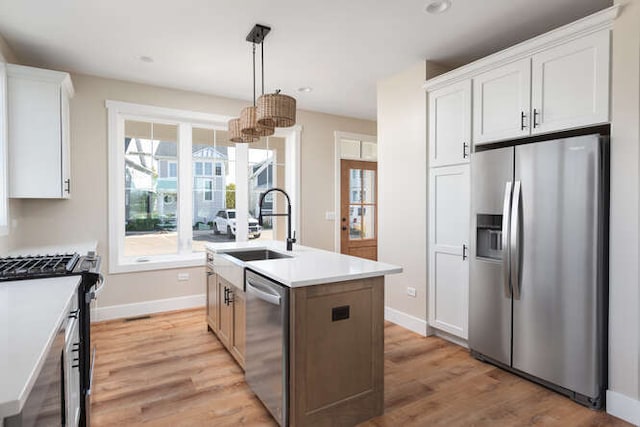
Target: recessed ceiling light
[437,6]
[146,59]
[304,89]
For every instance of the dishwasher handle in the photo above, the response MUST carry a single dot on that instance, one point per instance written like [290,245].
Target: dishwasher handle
[262,292]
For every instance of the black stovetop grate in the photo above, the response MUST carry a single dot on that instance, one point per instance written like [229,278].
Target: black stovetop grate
[32,267]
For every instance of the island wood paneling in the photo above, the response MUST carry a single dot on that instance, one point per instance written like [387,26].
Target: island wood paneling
[337,365]
[168,370]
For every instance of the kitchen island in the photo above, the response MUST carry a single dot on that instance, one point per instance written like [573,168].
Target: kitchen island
[334,342]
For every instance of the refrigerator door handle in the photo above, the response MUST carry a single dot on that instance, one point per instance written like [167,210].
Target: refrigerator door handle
[514,247]
[505,238]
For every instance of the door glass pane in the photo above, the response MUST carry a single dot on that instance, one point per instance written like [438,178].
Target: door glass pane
[355,185]
[151,189]
[355,222]
[368,222]
[368,186]
[213,194]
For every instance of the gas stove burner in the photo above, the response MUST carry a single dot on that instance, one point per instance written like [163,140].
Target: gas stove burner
[35,267]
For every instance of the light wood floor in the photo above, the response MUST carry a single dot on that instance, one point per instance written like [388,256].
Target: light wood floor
[169,371]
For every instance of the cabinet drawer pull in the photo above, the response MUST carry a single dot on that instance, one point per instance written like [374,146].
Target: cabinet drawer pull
[464,252]
[67,186]
[522,117]
[535,117]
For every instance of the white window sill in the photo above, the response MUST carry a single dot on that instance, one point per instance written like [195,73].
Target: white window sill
[156,262]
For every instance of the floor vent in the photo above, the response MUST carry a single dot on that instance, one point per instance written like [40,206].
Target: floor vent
[133,319]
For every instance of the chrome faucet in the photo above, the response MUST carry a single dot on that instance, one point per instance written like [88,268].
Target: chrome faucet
[290,240]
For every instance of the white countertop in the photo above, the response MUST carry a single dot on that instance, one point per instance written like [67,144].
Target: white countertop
[308,266]
[31,312]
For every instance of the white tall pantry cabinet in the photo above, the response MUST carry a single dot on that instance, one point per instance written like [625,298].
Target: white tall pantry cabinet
[38,124]
[558,81]
[449,131]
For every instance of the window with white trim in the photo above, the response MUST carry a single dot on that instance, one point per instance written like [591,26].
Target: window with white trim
[171,172]
[267,166]
[208,190]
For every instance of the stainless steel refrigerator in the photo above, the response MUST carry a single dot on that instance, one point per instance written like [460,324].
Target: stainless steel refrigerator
[538,288]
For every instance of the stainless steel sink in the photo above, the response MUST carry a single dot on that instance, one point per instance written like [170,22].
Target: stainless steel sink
[256,255]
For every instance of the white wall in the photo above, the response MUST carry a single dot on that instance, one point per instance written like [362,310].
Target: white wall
[624,311]
[402,186]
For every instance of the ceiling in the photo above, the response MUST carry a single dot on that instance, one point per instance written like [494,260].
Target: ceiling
[340,48]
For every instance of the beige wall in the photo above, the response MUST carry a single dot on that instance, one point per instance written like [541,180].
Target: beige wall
[624,316]
[402,171]
[84,217]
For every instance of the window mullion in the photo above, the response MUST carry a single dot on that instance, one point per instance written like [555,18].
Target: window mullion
[185,188]
[242,192]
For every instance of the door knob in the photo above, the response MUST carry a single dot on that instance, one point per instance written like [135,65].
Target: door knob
[344,228]
[344,219]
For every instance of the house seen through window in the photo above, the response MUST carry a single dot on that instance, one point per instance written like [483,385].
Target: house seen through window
[154,172]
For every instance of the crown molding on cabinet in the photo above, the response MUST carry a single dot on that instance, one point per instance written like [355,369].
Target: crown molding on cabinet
[590,24]
[40,74]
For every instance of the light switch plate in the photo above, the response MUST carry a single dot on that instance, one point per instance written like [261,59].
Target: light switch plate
[330,216]
[411,292]
[183,276]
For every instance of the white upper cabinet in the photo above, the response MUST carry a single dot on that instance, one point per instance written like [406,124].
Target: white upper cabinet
[571,84]
[501,102]
[450,124]
[554,82]
[38,124]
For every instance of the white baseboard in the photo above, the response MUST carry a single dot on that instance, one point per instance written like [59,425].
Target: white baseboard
[451,338]
[147,307]
[623,407]
[414,324]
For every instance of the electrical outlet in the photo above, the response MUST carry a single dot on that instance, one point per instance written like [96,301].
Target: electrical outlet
[183,276]
[411,292]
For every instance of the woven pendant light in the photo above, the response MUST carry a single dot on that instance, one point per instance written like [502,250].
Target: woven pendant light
[249,126]
[235,135]
[276,110]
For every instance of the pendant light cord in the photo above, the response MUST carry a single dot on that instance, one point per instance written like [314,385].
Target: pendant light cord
[262,66]
[254,74]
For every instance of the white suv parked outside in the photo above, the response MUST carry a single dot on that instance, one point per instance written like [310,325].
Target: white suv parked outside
[225,222]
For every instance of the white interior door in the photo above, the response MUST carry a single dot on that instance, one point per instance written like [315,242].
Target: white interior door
[450,124]
[501,102]
[449,207]
[570,84]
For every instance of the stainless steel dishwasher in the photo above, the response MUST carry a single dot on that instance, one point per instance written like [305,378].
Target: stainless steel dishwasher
[267,345]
